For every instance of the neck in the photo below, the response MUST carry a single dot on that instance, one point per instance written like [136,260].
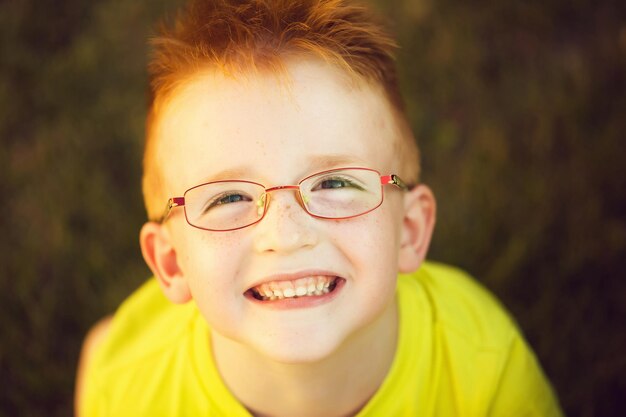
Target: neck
[339,385]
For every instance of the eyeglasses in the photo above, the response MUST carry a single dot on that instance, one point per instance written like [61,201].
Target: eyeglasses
[342,193]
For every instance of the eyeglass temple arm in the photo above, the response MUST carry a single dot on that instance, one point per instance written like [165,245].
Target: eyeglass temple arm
[171,203]
[395,180]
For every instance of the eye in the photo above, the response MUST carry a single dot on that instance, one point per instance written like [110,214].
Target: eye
[226,198]
[335,183]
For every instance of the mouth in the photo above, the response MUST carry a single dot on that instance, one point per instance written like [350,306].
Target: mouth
[317,286]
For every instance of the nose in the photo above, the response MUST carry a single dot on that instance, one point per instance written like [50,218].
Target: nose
[286,227]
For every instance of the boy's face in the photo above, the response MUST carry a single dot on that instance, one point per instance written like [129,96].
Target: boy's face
[276,133]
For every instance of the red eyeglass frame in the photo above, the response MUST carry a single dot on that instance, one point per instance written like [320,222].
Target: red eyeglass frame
[390,179]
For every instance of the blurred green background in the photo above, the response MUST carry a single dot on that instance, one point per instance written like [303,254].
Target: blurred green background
[520,111]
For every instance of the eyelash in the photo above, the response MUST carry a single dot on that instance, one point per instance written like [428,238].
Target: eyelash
[217,201]
[342,179]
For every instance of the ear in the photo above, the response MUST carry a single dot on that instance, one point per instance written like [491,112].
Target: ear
[160,255]
[420,210]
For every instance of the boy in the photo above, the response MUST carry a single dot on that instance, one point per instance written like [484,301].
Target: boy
[276,136]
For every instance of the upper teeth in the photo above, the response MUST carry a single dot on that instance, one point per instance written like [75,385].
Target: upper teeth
[301,287]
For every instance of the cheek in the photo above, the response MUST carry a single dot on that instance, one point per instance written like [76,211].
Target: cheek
[371,246]
[371,243]
[211,263]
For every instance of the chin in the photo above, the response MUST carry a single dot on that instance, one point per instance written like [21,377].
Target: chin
[298,358]
[299,349]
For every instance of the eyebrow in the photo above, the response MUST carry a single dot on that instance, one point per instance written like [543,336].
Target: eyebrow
[228,174]
[316,163]
[323,162]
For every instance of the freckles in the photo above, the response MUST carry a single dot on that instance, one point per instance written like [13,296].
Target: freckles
[220,241]
[260,147]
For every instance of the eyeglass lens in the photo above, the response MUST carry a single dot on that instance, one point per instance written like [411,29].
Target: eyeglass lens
[226,205]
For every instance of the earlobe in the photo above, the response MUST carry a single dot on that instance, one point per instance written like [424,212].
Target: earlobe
[160,255]
[420,211]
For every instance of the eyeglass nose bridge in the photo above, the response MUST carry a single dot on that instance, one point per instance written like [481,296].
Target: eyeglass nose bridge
[264,201]
[282,187]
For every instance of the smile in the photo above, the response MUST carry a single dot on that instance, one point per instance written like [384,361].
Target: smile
[312,286]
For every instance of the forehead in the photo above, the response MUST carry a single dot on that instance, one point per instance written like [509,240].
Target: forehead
[273,128]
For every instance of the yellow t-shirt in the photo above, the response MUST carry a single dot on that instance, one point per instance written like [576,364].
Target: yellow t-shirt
[458,354]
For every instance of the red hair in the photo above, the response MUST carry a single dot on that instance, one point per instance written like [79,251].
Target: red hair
[239,35]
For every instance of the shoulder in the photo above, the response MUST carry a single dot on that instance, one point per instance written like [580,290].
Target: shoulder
[93,340]
[487,359]
[144,324]
[146,332]
[461,305]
